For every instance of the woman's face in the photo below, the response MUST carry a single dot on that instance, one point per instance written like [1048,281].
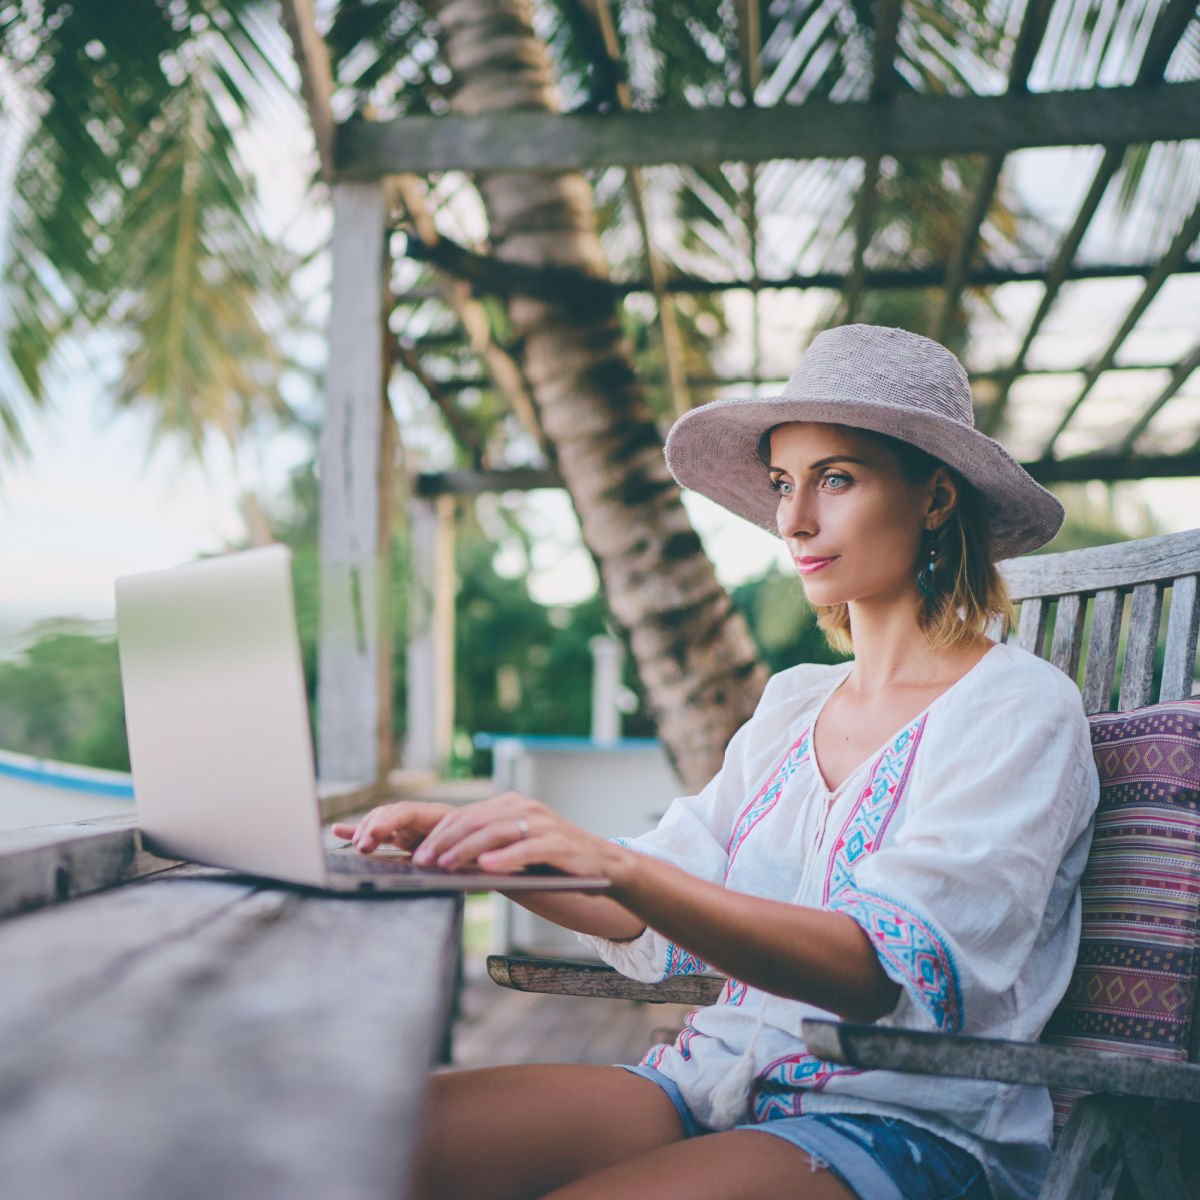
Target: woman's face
[852,522]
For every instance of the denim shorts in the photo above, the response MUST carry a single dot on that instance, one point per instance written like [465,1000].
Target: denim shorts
[877,1158]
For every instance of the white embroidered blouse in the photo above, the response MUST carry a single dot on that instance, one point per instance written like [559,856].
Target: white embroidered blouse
[958,847]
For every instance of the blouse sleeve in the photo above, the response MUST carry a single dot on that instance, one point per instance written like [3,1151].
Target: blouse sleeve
[694,835]
[954,905]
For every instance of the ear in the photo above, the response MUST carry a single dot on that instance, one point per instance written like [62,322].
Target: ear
[943,498]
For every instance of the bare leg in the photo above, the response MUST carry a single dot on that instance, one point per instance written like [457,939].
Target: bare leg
[738,1165]
[513,1133]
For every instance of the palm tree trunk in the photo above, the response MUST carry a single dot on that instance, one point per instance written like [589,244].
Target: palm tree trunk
[693,652]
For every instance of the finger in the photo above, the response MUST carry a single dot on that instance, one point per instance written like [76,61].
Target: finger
[344,829]
[547,850]
[454,827]
[494,835]
[384,824]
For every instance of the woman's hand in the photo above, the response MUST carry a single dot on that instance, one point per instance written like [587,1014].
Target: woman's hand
[509,832]
[403,824]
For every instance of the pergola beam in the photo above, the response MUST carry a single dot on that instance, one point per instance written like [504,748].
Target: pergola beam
[1164,37]
[1179,376]
[1111,468]
[883,87]
[1106,467]
[907,125]
[1033,28]
[503,278]
[884,279]
[463,383]
[749,49]
[1174,255]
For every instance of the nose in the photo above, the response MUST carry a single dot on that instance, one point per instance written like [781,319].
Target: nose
[793,517]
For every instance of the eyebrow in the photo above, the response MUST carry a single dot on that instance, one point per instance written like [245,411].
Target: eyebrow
[825,462]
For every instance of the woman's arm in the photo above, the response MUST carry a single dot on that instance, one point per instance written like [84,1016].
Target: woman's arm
[584,912]
[802,953]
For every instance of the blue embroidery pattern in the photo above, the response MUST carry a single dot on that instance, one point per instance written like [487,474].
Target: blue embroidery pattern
[780,1087]
[912,948]
[873,811]
[680,962]
[734,993]
[654,1056]
[684,1041]
[766,798]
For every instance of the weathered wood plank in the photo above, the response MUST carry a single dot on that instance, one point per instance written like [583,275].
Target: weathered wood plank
[881,1048]
[1183,621]
[910,124]
[1031,625]
[58,862]
[1123,564]
[569,977]
[1107,611]
[353,704]
[51,863]
[1068,635]
[1137,676]
[1088,1157]
[223,1041]
[431,592]
[1150,1159]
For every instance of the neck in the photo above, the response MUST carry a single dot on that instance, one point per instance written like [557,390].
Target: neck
[891,650]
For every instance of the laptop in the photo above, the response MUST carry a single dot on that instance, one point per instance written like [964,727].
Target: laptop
[219,743]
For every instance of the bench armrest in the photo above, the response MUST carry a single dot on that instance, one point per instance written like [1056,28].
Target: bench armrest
[575,977]
[882,1048]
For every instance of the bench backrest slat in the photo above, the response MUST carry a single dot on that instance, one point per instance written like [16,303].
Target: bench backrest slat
[1068,635]
[1137,677]
[1122,565]
[1180,653]
[1102,653]
[1031,629]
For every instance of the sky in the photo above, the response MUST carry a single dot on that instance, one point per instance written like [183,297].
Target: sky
[93,501]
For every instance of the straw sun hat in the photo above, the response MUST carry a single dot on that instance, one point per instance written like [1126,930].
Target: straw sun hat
[867,377]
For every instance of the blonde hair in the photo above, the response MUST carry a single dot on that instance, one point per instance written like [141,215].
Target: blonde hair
[968,592]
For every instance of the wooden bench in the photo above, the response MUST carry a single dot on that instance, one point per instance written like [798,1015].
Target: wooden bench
[1118,1053]
[172,1030]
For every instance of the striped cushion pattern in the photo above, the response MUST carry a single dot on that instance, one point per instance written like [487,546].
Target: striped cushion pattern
[1134,986]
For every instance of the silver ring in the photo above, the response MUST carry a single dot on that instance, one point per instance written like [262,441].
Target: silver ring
[522,828]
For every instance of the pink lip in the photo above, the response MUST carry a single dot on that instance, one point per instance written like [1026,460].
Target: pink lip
[806,566]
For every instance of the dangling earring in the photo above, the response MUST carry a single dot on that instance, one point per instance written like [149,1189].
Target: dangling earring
[925,576]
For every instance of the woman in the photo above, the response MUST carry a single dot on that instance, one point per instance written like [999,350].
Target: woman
[898,838]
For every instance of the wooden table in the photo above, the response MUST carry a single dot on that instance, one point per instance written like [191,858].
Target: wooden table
[194,1034]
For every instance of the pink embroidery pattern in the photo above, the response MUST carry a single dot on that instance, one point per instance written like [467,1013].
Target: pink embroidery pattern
[734,993]
[780,1088]
[873,811]
[684,1041]
[680,962]
[766,798]
[654,1056]
[910,948]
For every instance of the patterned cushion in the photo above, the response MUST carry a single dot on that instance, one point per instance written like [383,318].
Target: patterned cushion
[1134,986]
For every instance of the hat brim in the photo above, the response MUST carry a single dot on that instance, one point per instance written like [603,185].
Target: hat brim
[713,450]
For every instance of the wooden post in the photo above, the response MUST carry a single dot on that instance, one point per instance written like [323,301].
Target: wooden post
[354,689]
[431,588]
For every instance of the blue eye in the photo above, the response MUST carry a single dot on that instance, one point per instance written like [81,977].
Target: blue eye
[842,481]
[781,487]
